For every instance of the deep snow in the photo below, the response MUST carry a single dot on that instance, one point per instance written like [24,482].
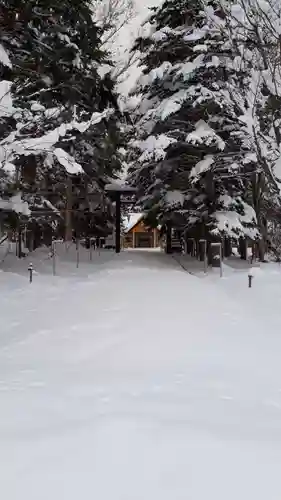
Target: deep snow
[132,379]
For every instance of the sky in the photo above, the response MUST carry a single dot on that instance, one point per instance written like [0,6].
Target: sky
[143,5]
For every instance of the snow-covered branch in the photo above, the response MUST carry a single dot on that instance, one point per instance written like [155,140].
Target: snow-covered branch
[13,146]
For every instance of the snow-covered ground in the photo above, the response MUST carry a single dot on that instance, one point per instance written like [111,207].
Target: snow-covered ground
[129,378]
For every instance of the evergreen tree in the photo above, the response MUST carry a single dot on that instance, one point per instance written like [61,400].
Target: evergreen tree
[61,115]
[192,157]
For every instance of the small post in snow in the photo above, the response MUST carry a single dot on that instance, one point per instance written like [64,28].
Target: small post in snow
[216,256]
[221,260]
[185,246]
[193,251]
[202,246]
[91,250]
[250,278]
[191,247]
[203,253]
[54,257]
[30,269]
[77,253]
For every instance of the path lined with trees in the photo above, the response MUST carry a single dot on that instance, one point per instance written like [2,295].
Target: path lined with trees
[199,135]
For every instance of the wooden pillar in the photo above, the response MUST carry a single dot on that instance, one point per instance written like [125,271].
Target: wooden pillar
[168,237]
[215,254]
[134,239]
[243,248]
[227,247]
[191,247]
[155,238]
[202,250]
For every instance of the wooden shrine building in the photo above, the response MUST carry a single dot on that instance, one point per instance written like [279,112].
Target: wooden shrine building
[136,234]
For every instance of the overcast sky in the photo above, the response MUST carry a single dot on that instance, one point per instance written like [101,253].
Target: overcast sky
[144,4]
[130,33]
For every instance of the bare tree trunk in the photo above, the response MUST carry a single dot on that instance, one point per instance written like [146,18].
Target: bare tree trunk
[262,244]
[258,189]
[68,212]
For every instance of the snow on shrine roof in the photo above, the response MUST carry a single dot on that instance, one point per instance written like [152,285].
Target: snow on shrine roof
[117,186]
[131,220]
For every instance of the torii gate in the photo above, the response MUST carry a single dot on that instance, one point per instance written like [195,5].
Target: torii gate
[116,190]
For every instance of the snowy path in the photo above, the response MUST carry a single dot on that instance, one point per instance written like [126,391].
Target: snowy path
[140,382]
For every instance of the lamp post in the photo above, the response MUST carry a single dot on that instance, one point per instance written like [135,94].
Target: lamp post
[116,190]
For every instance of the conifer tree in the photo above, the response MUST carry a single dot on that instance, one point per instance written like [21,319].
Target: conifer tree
[64,110]
[192,157]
